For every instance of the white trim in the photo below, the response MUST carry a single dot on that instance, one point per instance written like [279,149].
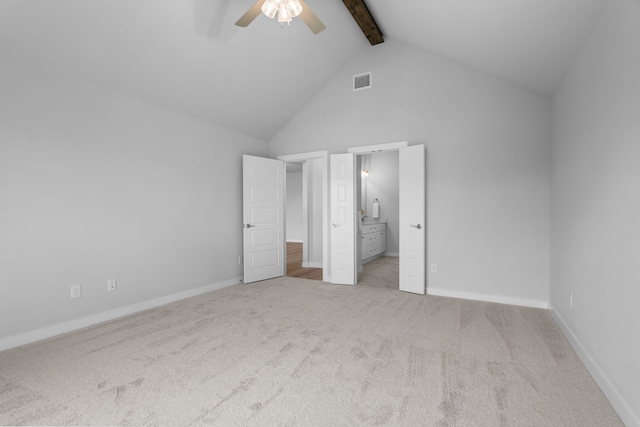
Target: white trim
[371,258]
[523,302]
[393,254]
[617,401]
[324,155]
[305,212]
[389,146]
[294,241]
[72,325]
[311,264]
[302,156]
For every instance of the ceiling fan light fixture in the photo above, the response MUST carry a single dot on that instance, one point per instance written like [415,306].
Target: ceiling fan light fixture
[294,7]
[270,7]
[284,15]
[286,9]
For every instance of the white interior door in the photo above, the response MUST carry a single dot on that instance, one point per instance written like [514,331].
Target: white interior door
[412,219]
[263,218]
[343,219]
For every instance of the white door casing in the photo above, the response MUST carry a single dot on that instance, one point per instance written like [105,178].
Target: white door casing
[343,219]
[263,218]
[323,157]
[412,219]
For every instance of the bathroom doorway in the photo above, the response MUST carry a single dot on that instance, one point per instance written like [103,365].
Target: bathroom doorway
[346,245]
[378,204]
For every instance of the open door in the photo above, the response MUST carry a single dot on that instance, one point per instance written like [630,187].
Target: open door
[343,219]
[412,219]
[263,218]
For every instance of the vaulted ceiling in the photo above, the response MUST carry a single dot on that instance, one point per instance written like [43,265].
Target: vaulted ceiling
[188,56]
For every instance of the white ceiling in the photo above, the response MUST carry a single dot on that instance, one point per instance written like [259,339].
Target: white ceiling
[187,56]
[531,43]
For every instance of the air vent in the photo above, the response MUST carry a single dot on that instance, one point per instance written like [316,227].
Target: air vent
[362,81]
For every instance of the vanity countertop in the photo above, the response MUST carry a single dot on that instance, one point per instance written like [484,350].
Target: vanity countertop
[374,221]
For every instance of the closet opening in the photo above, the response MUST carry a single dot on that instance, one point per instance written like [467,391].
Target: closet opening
[303,224]
[306,231]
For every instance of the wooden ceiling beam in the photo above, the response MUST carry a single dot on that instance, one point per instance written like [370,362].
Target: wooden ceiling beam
[363,17]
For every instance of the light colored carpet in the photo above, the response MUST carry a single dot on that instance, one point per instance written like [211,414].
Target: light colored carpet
[293,352]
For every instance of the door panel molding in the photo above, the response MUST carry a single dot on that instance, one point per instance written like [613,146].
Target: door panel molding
[343,219]
[412,219]
[262,218]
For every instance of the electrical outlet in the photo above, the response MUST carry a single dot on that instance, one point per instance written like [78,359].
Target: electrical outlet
[76,291]
[111,285]
[434,268]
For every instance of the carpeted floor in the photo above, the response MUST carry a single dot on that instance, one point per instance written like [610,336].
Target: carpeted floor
[293,352]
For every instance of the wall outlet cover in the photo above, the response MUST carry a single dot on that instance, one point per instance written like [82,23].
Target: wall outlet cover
[76,291]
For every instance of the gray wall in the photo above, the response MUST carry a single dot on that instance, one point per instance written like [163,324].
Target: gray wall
[596,206]
[94,186]
[294,206]
[383,184]
[488,148]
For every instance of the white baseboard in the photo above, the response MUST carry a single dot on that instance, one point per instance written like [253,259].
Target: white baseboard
[623,409]
[294,241]
[72,325]
[523,302]
[367,260]
[394,254]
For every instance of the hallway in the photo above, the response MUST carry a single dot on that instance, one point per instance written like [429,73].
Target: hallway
[294,264]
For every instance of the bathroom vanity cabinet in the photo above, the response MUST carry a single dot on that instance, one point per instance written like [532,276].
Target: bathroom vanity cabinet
[373,240]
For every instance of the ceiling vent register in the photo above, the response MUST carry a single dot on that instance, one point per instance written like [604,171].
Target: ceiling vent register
[362,81]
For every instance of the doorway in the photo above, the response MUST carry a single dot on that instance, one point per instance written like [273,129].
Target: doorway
[378,204]
[345,240]
[309,251]
[303,195]
[263,215]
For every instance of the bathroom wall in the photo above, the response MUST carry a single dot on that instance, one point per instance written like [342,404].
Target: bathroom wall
[382,184]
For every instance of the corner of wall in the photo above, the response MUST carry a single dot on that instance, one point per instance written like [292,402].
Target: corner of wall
[615,398]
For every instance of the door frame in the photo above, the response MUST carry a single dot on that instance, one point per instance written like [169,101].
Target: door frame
[304,196]
[391,146]
[377,148]
[324,157]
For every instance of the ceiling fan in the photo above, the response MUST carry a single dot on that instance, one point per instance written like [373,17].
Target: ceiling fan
[286,11]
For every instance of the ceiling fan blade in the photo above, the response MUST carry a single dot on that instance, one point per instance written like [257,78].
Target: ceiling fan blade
[250,14]
[308,17]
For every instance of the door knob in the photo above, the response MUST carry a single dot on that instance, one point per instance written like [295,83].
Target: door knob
[249,225]
[334,225]
[416,226]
